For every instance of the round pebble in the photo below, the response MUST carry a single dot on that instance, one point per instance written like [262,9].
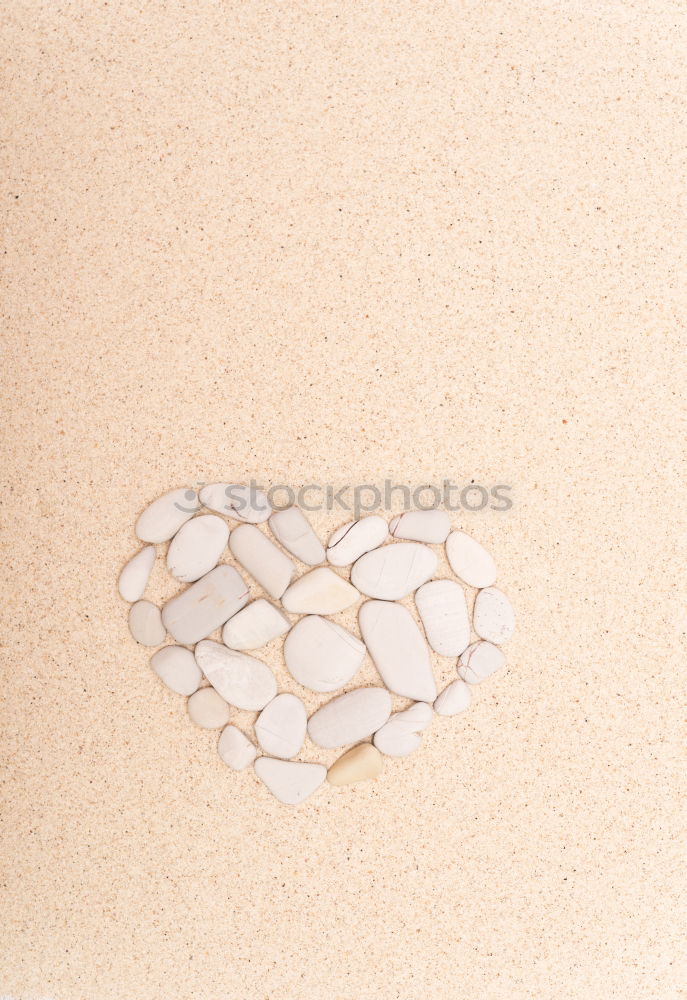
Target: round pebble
[145,623]
[207,709]
[177,668]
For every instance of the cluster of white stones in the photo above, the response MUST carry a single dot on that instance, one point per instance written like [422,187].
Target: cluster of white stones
[388,562]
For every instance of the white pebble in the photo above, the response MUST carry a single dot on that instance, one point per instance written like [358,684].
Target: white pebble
[290,781]
[256,625]
[133,579]
[421,526]
[320,592]
[177,668]
[350,717]
[398,649]
[241,680]
[322,655]
[280,727]
[205,605]
[163,518]
[401,734]
[393,571]
[196,547]
[208,710]
[145,623]
[443,610]
[262,559]
[493,617]
[453,699]
[294,531]
[469,560]
[354,539]
[479,661]
[235,748]
[242,502]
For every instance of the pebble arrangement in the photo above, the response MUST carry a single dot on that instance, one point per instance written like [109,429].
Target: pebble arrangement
[386,562]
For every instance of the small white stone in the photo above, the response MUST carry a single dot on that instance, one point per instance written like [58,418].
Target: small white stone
[205,605]
[401,734]
[393,571]
[493,617]
[196,547]
[421,526]
[294,531]
[235,748]
[255,626]
[145,624]
[133,579]
[177,668]
[163,518]
[354,539]
[453,699]
[350,717]
[262,559]
[290,781]
[320,592]
[280,727]
[245,503]
[469,560]
[241,680]
[443,610]
[322,655]
[398,649]
[208,710]
[479,661]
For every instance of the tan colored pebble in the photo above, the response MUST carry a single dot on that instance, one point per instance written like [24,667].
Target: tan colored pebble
[361,763]
[208,710]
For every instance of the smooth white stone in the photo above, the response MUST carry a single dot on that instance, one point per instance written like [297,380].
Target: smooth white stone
[242,502]
[479,661]
[350,717]
[393,571]
[319,592]
[469,560]
[196,547]
[354,539]
[163,518]
[398,649]
[262,559]
[256,625]
[133,579]
[241,680]
[401,734]
[443,610]
[493,617]
[421,526]
[177,668]
[290,781]
[280,727]
[205,605]
[453,699]
[208,710]
[322,655]
[235,748]
[294,531]
[145,623]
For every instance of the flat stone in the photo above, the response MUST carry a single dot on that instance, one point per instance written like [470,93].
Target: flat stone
[196,547]
[241,502]
[145,624]
[256,625]
[133,579]
[319,592]
[162,519]
[208,710]
[479,661]
[294,531]
[453,699]
[280,727]
[242,680]
[262,559]
[493,618]
[421,526]
[236,749]
[177,668]
[469,560]
[322,655]
[401,734]
[443,610]
[290,781]
[394,571]
[355,538]
[360,763]
[350,717]
[205,605]
[398,649]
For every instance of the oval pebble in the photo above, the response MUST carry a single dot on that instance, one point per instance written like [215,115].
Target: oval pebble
[145,624]
[320,592]
[177,668]
[398,649]
[493,618]
[256,625]
[235,748]
[241,680]
[393,571]
[290,781]
[205,605]
[291,527]
[401,734]
[133,579]
[207,709]
[350,717]
[281,726]
[245,503]
[453,699]
[479,661]
[322,655]
[469,560]
[262,559]
[443,611]
[360,763]
[421,526]
[196,547]
[354,539]
[162,519]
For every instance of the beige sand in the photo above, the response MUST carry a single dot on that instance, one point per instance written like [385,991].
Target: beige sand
[312,242]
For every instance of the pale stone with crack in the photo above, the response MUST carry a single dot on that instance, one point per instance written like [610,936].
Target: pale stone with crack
[493,617]
[453,699]
[177,668]
[145,623]
[350,717]
[241,502]
[262,559]
[401,734]
[355,538]
[161,520]
[257,624]
[242,680]
[322,655]
[469,560]
[319,592]
[235,748]
[281,726]
[207,709]
[133,579]
[421,526]
[206,605]
[443,611]
[361,763]
[394,571]
[292,528]
[398,649]
[479,661]
[290,781]
[196,547]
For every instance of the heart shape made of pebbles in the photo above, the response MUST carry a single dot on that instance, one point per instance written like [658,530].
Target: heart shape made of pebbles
[382,563]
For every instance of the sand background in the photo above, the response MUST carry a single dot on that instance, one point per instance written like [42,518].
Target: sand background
[311,242]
